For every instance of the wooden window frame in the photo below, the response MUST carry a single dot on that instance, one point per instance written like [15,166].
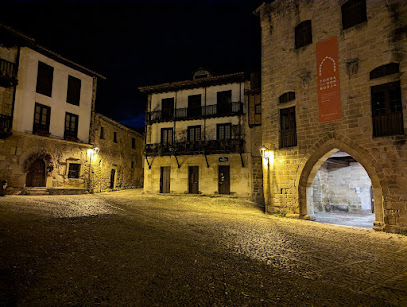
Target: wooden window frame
[303,34]
[353,13]
[385,70]
[288,128]
[73,94]
[223,126]
[194,129]
[45,79]
[286,97]
[167,131]
[38,126]
[69,131]
[77,171]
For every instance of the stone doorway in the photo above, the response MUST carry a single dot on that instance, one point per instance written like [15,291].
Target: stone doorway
[338,185]
[36,174]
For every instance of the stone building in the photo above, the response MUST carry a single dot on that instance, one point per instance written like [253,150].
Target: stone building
[119,163]
[334,94]
[46,121]
[198,138]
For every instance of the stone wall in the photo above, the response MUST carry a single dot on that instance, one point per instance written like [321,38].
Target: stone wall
[379,41]
[127,162]
[6,100]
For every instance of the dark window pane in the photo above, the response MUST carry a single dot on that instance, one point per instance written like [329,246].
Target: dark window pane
[44,79]
[353,13]
[167,107]
[74,170]
[41,119]
[286,97]
[385,70]
[102,132]
[194,106]
[303,34]
[115,137]
[166,136]
[288,131]
[133,143]
[74,90]
[71,126]
[224,131]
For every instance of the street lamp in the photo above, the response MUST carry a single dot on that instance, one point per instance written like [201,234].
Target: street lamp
[91,153]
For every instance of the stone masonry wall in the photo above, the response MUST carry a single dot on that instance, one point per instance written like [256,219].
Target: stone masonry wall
[379,41]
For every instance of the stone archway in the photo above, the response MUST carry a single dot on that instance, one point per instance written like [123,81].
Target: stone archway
[315,161]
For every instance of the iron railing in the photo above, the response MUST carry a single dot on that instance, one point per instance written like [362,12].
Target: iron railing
[193,148]
[230,109]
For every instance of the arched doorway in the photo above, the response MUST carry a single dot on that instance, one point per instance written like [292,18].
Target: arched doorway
[346,193]
[36,174]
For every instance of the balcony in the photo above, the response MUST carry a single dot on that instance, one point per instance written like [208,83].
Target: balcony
[232,109]
[5,126]
[195,148]
[7,73]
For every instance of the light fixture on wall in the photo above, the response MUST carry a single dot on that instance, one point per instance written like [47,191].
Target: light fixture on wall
[264,151]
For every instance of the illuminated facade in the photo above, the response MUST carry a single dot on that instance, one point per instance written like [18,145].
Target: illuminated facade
[333,82]
[198,138]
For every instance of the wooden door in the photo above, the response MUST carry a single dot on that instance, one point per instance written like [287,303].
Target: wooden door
[165,179]
[224,179]
[167,108]
[112,175]
[36,174]
[193,179]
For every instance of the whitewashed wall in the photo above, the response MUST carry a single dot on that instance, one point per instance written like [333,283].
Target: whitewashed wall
[26,96]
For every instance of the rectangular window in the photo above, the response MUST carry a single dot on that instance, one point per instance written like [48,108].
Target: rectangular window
[167,108]
[74,170]
[194,105]
[303,34]
[224,102]
[387,115]
[288,131]
[133,143]
[74,91]
[353,13]
[166,136]
[71,126]
[115,137]
[194,133]
[102,133]
[224,131]
[132,164]
[45,77]
[42,115]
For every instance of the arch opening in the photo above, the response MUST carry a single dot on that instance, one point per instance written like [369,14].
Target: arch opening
[341,188]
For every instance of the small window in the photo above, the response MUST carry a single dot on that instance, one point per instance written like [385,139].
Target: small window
[286,97]
[132,164]
[224,131]
[303,34]
[166,136]
[257,109]
[288,130]
[353,13]
[115,137]
[71,126]
[74,170]
[102,133]
[385,70]
[133,143]
[45,77]
[387,115]
[42,115]
[74,91]
[194,134]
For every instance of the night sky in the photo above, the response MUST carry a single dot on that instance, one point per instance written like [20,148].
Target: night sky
[136,43]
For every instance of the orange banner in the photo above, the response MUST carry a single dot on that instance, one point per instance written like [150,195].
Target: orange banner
[329,95]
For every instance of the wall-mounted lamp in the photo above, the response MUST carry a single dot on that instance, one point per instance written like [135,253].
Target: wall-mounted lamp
[93,152]
[264,151]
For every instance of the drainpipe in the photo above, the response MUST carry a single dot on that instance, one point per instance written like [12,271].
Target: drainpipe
[15,86]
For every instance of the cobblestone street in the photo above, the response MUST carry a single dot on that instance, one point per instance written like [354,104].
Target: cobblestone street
[124,248]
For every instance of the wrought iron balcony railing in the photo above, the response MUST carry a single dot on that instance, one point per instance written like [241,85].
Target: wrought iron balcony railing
[193,148]
[5,126]
[230,109]
[7,73]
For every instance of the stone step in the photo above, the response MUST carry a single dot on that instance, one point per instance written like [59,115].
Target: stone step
[37,191]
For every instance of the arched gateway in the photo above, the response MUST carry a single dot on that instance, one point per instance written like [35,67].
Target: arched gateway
[315,161]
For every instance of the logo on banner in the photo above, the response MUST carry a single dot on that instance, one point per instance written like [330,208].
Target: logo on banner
[329,98]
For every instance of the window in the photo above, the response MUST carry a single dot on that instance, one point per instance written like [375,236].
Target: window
[74,170]
[303,34]
[353,13]
[224,131]
[102,133]
[133,143]
[44,79]
[257,109]
[194,106]
[387,115]
[74,90]
[115,137]
[71,126]
[385,70]
[194,133]
[288,131]
[286,97]
[224,100]
[132,164]
[167,107]
[166,136]
[42,115]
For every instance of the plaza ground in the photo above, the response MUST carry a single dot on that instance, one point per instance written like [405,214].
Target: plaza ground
[126,248]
